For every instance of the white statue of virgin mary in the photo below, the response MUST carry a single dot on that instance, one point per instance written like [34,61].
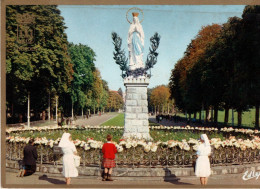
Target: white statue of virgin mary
[135,43]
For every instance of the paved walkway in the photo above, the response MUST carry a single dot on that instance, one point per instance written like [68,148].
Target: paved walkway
[39,179]
[96,120]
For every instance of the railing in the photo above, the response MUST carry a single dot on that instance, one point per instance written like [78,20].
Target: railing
[136,157]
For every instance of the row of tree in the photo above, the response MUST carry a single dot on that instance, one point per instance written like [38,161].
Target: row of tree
[221,69]
[55,70]
[159,100]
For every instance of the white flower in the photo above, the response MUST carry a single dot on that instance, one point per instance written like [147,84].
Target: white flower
[171,143]
[147,148]
[134,143]
[128,145]
[186,147]
[82,143]
[119,148]
[195,147]
[86,147]
[154,147]
[122,143]
[93,145]
[193,141]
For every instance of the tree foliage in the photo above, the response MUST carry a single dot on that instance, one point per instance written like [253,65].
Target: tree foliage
[115,101]
[160,97]
[55,68]
[220,68]
[47,70]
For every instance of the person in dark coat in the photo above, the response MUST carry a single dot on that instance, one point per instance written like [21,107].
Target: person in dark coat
[29,158]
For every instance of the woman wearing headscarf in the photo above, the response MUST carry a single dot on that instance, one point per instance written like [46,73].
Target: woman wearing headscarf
[202,168]
[69,150]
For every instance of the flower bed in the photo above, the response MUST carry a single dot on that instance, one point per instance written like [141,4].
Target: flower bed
[226,150]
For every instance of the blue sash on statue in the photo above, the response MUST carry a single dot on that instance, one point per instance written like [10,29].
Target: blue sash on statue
[138,47]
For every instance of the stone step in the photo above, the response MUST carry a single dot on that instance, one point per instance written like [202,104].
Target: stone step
[161,173]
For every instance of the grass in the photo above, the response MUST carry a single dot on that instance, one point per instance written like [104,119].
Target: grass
[116,121]
[119,121]
[248,118]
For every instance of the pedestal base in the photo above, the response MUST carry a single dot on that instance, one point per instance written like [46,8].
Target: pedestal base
[136,108]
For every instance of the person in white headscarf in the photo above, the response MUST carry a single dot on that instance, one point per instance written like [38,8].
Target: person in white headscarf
[135,43]
[202,168]
[69,150]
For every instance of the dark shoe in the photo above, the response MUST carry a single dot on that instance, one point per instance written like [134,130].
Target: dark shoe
[104,177]
[109,178]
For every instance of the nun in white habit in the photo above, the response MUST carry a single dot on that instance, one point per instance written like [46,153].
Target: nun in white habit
[69,150]
[202,168]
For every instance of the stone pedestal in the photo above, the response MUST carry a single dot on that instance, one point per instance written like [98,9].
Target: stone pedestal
[136,108]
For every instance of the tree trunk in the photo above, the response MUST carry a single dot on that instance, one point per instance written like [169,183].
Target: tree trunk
[232,117]
[189,116]
[226,115]
[28,111]
[216,115]
[20,118]
[239,118]
[162,109]
[257,116]
[173,109]
[12,112]
[168,111]
[200,115]
[207,115]
[195,115]
[43,115]
[56,110]
[51,116]
[72,113]
[155,112]
[49,108]
[211,114]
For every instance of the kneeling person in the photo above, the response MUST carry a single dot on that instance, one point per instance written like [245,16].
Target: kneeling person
[29,158]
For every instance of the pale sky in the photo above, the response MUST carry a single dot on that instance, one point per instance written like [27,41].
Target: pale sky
[177,25]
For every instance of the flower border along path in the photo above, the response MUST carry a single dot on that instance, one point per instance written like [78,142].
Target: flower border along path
[134,153]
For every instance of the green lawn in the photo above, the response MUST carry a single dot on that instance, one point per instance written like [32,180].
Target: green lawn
[116,121]
[248,118]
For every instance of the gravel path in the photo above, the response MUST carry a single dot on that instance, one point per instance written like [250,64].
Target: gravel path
[96,120]
[39,179]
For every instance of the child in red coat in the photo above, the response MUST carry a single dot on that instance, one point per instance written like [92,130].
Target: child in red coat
[109,151]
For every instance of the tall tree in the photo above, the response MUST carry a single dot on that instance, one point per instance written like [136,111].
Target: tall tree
[83,58]
[184,83]
[251,55]
[115,101]
[160,98]
[48,69]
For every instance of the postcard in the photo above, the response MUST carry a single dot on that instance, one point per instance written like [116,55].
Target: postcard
[130,95]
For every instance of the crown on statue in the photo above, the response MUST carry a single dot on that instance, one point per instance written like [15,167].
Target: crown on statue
[135,14]
[25,18]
